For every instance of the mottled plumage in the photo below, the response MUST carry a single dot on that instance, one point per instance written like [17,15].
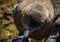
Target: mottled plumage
[38,11]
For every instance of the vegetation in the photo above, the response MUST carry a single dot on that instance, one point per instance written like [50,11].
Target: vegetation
[8,29]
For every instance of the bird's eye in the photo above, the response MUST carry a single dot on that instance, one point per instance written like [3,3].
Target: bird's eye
[31,22]
[34,23]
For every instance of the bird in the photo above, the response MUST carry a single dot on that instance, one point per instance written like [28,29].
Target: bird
[38,15]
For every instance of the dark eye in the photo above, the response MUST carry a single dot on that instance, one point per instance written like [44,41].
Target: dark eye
[34,23]
[2,8]
[31,22]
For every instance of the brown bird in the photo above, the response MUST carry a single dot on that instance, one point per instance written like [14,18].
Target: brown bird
[39,15]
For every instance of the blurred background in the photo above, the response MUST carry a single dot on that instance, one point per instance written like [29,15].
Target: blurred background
[8,29]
